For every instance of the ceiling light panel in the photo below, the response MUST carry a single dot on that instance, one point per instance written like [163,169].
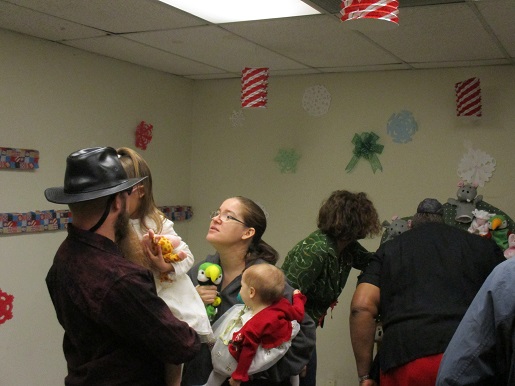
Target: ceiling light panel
[228,11]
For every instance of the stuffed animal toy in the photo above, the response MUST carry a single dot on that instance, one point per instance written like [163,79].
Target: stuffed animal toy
[210,274]
[168,245]
[479,224]
[396,227]
[510,252]
[167,249]
[466,202]
[499,230]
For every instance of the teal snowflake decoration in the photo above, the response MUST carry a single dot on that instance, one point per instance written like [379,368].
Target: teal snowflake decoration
[401,126]
[287,160]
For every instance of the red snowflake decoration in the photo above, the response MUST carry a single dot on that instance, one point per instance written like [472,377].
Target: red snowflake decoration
[6,306]
[143,135]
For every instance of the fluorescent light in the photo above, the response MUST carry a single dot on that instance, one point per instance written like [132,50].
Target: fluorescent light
[227,11]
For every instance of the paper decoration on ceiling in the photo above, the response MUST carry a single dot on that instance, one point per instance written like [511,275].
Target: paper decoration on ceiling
[468,98]
[12,158]
[476,166]
[254,87]
[401,126]
[370,14]
[143,135]
[287,160]
[316,100]
[237,118]
[365,146]
[6,306]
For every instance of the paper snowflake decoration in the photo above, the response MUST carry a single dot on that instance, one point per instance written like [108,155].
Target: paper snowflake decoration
[6,306]
[316,100]
[287,160]
[401,126]
[237,118]
[476,166]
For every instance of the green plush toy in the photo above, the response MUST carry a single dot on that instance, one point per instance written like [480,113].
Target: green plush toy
[499,230]
[210,274]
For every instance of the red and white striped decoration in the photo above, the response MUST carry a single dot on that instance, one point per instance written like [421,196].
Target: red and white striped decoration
[367,10]
[254,84]
[468,98]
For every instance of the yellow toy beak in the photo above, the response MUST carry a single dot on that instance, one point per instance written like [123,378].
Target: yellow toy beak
[212,272]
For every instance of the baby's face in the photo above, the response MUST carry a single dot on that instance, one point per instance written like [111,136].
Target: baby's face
[245,291]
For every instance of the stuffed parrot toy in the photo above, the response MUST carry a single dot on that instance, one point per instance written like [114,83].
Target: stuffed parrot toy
[210,274]
[499,230]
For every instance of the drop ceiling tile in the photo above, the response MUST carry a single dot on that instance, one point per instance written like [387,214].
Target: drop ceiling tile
[216,46]
[378,67]
[500,16]
[465,63]
[40,25]
[306,71]
[116,16]
[438,33]
[228,75]
[127,50]
[316,41]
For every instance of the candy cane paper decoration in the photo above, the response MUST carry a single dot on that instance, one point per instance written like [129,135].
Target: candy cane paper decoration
[468,98]
[254,83]
[383,10]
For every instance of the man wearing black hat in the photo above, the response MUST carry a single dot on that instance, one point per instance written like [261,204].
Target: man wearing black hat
[117,330]
[421,283]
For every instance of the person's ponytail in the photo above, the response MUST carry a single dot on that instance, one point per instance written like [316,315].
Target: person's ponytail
[261,250]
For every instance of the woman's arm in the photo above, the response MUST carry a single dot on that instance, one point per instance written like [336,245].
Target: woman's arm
[304,263]
[299,353]
[360,256]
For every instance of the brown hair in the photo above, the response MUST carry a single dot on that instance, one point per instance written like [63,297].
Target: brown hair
[348,216]
[268,281]
[135,166]
[255,217]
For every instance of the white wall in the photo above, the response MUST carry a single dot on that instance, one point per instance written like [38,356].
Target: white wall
[57,99]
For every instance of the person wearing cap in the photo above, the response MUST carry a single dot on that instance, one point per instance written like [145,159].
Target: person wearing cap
[117,330]
[421,283]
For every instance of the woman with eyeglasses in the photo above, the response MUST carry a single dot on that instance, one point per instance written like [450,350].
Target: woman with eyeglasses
[319,265]
[175,288]
[236,232]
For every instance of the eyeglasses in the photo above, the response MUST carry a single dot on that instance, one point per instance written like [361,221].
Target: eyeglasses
[225,217]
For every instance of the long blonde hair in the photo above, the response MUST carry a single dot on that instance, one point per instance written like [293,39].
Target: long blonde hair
[135,166]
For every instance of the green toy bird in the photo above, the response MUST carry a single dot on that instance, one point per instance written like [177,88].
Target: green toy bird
[499,230]
[210,274]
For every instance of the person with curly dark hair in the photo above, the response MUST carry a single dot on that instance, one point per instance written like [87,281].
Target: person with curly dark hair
[319,265]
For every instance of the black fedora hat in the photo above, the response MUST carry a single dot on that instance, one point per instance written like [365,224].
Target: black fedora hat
[91,173]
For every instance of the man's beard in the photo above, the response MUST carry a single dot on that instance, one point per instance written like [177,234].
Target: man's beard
[121,227]
[128,241]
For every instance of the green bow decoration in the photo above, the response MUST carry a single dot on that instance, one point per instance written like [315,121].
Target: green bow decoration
[365,146]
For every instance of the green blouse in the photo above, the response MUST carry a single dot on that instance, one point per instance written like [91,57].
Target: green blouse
[314,267]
